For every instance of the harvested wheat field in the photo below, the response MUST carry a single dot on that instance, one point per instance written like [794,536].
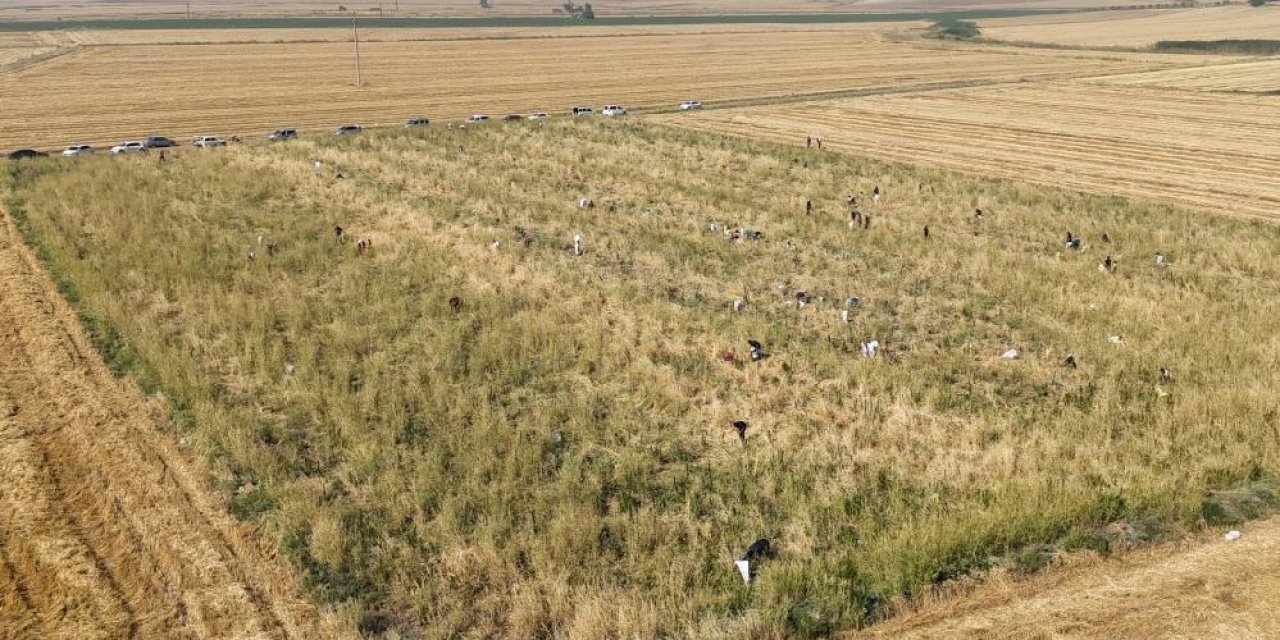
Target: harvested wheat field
[93,95]
[106,529]
[1138,28]
[1255,76]
[469,428]
[16,54]
[1209,589]
[860,32]
[45,10]
[1213,152]
[42,9]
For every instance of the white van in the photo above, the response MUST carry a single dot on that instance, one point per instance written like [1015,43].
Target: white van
[612,110]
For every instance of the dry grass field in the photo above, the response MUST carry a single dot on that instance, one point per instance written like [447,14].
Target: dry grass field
[1254,76]
[1214,152]
[1138,28]
[107,530]
[554,458]
[104,95]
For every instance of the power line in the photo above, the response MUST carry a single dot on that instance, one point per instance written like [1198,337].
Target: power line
[355,36]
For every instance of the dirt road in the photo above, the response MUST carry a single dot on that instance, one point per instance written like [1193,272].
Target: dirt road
[106,531]
[1200,590]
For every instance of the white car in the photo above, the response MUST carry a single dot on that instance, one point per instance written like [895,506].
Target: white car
[690,105]
[579,112]
[612,110]
[478,118]
[132,146]
[204,142]
[78,150]
[540,115]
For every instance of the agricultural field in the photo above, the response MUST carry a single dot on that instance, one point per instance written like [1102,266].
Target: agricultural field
[858,32]
[107,530]
[104,95]
[1213,152]
[552,453]
[45,10]
[1138,28]
[16,54]
[1255,76]
[1203,588]
[41,9]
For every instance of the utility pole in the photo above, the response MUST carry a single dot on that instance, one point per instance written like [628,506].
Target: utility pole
[355,34]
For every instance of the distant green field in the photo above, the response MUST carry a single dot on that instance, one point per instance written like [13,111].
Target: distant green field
[549,21]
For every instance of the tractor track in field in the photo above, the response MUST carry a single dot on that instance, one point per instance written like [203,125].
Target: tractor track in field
[1202,589]
[37,59]
[106,530]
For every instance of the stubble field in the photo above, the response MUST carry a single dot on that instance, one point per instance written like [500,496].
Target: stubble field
[43,10]
[1252,76]
[103,95]
[1215,152]
[1139,28]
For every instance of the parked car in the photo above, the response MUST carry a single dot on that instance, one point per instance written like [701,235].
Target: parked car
[204,142]
[478,118]
[612,110]
[132,146]
[540,115]
[416,121]
[690,105]
[283,134]
[581,111]
[159,142]
[77,150]
[27,154]
[348,130]
[513,117]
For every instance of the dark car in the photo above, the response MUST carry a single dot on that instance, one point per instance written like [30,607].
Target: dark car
[514,117]
[159,142]
[283,134]
[348,130]
[27,154]
[417,121]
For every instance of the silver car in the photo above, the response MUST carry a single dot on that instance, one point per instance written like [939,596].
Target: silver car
[132,146]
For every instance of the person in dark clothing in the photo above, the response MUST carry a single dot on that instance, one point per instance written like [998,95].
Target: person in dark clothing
[758,549]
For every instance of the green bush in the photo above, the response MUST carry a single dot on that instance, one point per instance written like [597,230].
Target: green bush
[956,29]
